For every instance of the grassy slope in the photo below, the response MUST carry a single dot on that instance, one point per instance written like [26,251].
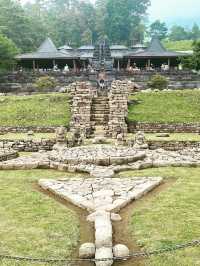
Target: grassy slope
[171,217]
[32,223]
[179,45]
[179,106]
[36,110]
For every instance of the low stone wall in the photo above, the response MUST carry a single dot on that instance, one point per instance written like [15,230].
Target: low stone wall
[28,145]
[23,82]
[6,155]
[35,129]
[173,145]
[163,127]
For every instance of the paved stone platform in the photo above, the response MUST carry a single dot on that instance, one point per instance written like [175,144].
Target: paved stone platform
[103,198]
[103,155]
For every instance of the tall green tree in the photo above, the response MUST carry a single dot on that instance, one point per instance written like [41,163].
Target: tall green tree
[158,29]
[178,33]
[123,17]
[16,25]
[195,32]
[7,52]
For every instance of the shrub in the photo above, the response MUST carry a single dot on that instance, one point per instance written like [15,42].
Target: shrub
[158,82]
[45,83]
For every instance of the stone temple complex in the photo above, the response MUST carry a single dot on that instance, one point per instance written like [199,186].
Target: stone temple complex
[121,57]
[99,108]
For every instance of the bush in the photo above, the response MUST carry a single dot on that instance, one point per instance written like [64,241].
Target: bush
[158,82]
[45,83]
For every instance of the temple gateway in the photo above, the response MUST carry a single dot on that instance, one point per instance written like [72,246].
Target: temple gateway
[135,58]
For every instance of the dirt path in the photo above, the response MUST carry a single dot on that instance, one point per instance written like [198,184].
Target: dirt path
[122,234]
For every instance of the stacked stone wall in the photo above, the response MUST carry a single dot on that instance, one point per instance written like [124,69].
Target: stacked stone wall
[23,82]
[163,127]
[173,145]
[83,94]
[23,145]
[118,108]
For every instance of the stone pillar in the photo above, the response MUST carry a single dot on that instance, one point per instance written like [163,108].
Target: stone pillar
[118,108]
[118,65]
[74,65]
[34,65]
[129,63]
[169,63]
[83,94]
[148,63]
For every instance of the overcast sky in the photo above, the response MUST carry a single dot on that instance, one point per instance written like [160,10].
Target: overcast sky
[184,12]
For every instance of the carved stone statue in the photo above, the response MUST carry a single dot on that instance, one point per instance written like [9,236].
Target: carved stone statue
[60,138]
[140,141]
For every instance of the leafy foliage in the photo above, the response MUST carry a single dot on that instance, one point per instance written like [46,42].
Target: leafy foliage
[7,52]
[193,62]
[46,82]
[158,29]
[158,82]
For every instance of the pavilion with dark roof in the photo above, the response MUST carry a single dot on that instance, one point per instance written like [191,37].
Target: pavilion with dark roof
[47,56]
[155,54]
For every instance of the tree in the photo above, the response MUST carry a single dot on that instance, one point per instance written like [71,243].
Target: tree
[17,26]
[7,52]
[193,62]
[123,17]
[195,33]
[86,37]
[178,33]
[158,29]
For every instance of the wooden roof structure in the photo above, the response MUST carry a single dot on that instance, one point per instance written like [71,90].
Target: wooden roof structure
[155,50]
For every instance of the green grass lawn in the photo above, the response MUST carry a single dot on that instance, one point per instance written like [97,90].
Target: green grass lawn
[33,224]
[172,107]
[35,110]
[169,217]
[184,45]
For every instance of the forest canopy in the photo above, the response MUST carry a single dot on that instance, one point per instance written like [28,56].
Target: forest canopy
[78,22]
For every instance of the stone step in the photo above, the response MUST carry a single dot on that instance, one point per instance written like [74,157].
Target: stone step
[100,105]
[100,115]
[100,111]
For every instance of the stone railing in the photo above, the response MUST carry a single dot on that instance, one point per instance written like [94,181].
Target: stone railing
[163,127]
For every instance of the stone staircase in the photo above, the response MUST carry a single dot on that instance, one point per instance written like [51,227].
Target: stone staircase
[100,114]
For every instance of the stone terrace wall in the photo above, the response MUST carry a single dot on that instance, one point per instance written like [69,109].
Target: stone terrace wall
[177,79]
[22,82]
[6,155]
[28,145]
[163,127]
[173,145]
[35,129]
